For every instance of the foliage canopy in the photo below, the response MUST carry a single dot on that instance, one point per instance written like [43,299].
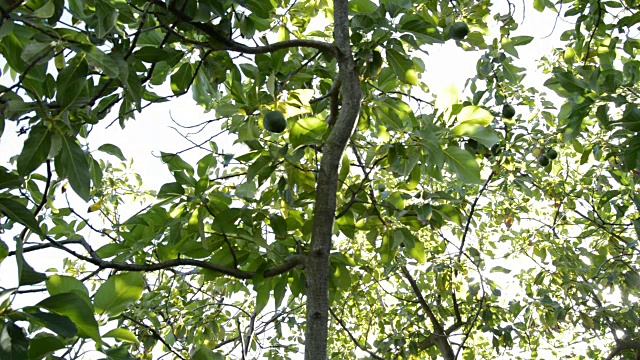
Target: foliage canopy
[386,221]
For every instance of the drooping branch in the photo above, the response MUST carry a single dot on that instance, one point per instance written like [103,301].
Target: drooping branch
[471,212]
[439,333]
[593,32]
[93,258]
[225,43]
[623,345]
[156,334]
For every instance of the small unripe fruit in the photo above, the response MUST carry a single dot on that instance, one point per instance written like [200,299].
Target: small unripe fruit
[543,160]
[508,111]
[552,154]
[274,122]
[458,30]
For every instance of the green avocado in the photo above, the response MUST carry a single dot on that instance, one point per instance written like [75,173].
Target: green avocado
[274,121]
[508,111]
[458,30]
[551,154]
[543,160]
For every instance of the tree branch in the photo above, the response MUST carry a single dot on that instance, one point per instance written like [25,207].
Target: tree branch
[471,211]
[93,258]
[623,345]
[439,334]
[431,339]
[228,44]
[355,341]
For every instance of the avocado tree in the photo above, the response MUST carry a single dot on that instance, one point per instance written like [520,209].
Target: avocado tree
[343,210]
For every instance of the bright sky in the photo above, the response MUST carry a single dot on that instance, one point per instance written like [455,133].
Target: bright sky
[151,132]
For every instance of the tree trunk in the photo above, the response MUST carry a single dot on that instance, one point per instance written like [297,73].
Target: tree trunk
[317,266]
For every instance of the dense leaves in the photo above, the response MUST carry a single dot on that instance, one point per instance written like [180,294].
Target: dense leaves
[450,237]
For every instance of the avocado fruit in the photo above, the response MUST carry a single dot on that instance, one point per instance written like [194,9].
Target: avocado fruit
[274,121]
[543,160]
[458,30]
[508,111]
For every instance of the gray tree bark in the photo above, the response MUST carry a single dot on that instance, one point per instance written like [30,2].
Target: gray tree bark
[317,266]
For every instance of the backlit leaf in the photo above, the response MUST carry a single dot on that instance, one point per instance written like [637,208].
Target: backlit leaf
[307,131]
[76,167]
[118,292]
[463,164]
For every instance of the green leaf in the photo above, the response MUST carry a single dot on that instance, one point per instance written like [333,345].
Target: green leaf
[202,353]
[631,118]
[9,180]
[61,284]
[205,165]
[12,51]
[112,150]
[246,190]
[387,249]
[77,310]
[279,291]
[447,97]
[107,16]
[362,6]
[59,324]
[36,52]
[4,251]
[500,269]
[340,276]
[421,29]
[482,134]
[133,88]
[26,274]
[569,82]
[463,164]
[111,250]
[450,213]
[122,335]
[44,345]
[71,82]
[261,8]
[118,292]
[521,40]
[345,166]
[181,80]
[13,342]
[35,151]
[176,163]
[152,54]
[170,190]
[417,251]
[45,11]
[475,115]
[262,296]
[278,225]
[632,153]
[307,131]
[76,167]
[20,214]
[96,174]
[402,66]
[97,58]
